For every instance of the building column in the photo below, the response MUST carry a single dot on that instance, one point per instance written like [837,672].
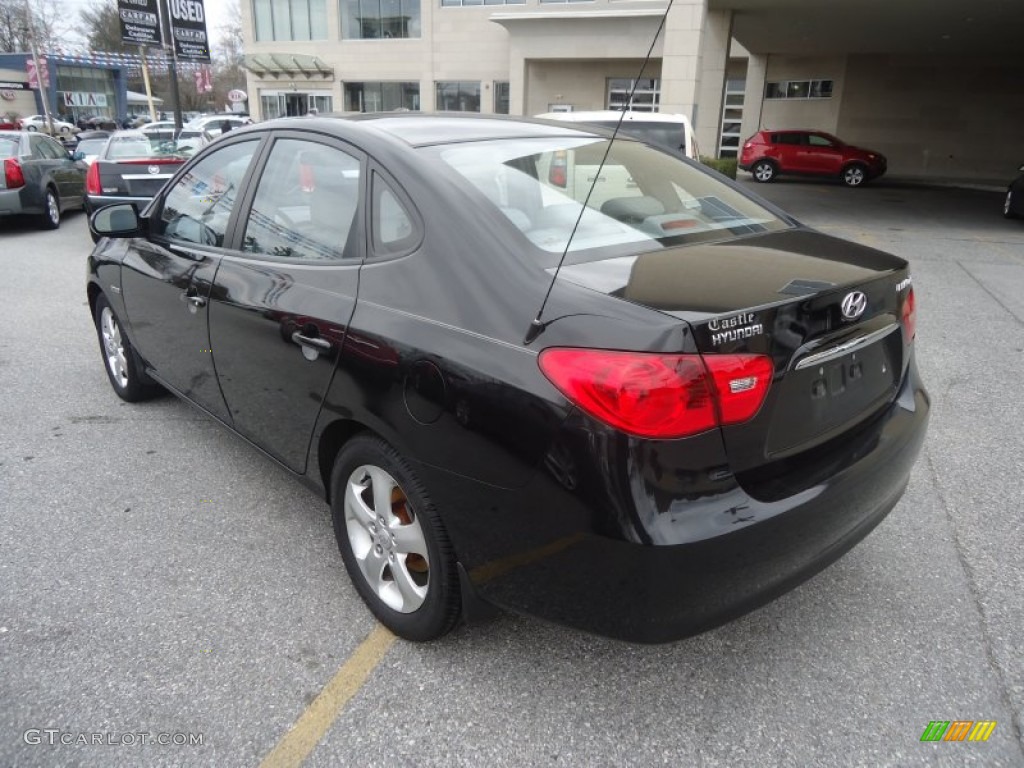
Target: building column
[713,63]
[516,83]
[753,97]
[680,60]
[696,55]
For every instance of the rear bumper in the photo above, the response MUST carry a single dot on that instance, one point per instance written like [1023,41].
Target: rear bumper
[94,202]
[14,202]
[723,551]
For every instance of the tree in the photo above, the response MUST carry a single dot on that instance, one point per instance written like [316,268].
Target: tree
[103,28]
[50,23]
[228,57]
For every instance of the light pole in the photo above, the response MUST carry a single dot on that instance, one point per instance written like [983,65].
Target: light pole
[29,28]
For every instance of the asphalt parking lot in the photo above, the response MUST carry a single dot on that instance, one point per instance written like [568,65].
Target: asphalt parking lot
[161,577]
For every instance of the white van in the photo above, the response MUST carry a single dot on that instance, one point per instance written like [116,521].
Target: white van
[658,128]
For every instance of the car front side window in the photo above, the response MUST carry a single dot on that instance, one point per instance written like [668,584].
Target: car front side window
[198,207]
[305,204]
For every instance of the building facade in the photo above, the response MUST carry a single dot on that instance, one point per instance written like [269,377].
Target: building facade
[78,87]
[931,85]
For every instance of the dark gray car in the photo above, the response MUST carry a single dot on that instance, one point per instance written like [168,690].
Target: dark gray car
[38,178]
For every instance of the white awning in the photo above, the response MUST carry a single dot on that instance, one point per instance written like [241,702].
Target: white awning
[140,98]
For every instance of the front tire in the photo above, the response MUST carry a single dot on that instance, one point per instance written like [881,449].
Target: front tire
[393,541]
[855,175]
[31,128]
[120,361]
[1008,211]
[764,171]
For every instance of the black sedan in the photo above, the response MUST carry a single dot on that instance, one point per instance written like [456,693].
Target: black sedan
[1013,205]
[702,407]
[39,178]
[130,168]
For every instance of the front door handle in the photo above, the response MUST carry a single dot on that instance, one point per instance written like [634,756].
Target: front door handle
[197,301]
[310,341]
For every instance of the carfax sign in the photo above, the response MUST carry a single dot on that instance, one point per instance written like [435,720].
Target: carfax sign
[188,28]
[140,22]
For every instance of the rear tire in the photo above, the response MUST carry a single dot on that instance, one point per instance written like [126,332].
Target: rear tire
[31,128]
[764,171]
[855,174]
[393,541]
[50,217]
[120,361]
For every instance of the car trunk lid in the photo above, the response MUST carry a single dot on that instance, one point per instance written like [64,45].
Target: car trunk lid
[136,178]
[783,295]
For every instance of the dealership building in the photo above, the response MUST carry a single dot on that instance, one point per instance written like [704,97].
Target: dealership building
[78,86]
[936,85]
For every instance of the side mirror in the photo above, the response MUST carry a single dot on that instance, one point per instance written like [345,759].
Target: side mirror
[1021,169]
[119,220]
[76,156]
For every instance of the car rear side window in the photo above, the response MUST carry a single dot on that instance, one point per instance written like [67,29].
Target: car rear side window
[394,229]
[8,147]
[306,202]
[787,138]
[46,149]
[199,205]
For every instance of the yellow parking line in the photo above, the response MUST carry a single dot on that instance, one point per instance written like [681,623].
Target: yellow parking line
[295,746]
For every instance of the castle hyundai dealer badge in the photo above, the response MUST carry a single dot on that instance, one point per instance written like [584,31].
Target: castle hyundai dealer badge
[140,22]
[188,28]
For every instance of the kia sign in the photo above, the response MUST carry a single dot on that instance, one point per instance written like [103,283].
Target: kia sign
[188,28]
[236,96]
[83,99]
[140,22]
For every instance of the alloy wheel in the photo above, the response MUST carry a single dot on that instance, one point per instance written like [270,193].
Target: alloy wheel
[853,176]
[52,208]
[764,172]
[386,538]
[113,347]
[1008,204]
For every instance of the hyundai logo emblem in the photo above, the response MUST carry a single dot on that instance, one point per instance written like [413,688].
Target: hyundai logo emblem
[854,304]
[154,169]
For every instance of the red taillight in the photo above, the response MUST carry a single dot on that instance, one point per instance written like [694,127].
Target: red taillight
[13,177]
[92,180]
[557,174]
[908,317]
[659,396]
[741,383]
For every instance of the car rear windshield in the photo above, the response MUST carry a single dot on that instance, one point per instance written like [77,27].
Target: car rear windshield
[137,148]
[642,199]
[670,135]
[8,147]
[90,146]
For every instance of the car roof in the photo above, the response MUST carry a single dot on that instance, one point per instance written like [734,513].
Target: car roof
[613,115]
[423,129]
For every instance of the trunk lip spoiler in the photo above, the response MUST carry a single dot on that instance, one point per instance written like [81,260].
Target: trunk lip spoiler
[845,347]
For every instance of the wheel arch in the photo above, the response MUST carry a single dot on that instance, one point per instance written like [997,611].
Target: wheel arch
[332,439]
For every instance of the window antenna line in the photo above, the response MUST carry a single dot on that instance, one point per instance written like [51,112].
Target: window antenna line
[537,326]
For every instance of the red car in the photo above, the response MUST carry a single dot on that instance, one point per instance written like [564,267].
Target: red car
[766,154]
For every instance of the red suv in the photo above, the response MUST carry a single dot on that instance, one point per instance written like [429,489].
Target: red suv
[766,154]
